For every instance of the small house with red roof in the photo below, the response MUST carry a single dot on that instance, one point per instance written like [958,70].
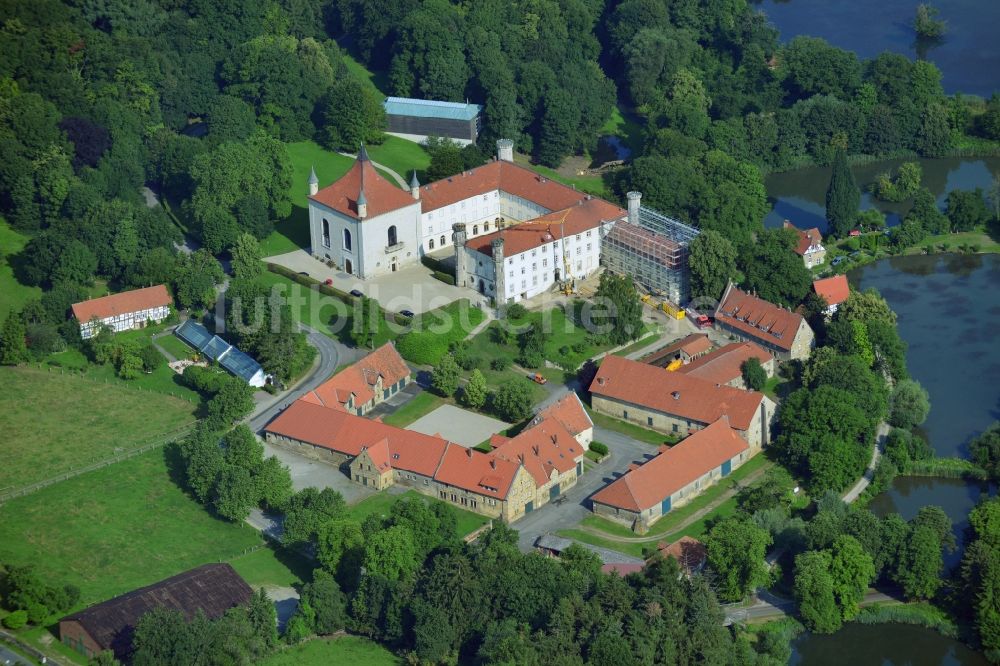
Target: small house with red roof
[809,245]
[362,385]
[124,311]
[784,334]
[569,411]
[689,553]
[685,350]
[834,291]
[725,364]
[676,403]
[678,474]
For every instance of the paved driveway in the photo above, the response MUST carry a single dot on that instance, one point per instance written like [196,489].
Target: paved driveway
[458,425]
[410,288]
[622,451]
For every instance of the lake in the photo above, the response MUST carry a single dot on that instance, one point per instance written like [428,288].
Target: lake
[948,312]
[800,195]
[968,55]
[882,644]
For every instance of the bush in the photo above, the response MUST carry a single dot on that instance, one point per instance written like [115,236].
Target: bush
[16,620]
[516,311]
[512,401]
[307,281]
[500,363]
[447,278]
[599,448]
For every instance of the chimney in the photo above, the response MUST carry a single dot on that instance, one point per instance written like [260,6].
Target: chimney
[555,439]
[601,380]
[634,200]
[493,463]
[505,150]
[468,452]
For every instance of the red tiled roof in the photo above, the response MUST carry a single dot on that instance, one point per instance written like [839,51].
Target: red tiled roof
[480,473]
[498,175]
[688,551]
[123,303]
[724,364]
[655,388]
[692,345]
[586,214]
[381,195]
[807,237]
[758,318]
[649,484]
[361,378]
[569,411]
[542,448]
[834,290]
[348,434]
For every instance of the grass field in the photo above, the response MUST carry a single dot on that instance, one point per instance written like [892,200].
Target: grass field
[423,403]
[342,650]
[175,346]
[116,529]
[380,504]
[954,242]
[13,294]
[402,156]
[379,81]
[273,566]
[83,421]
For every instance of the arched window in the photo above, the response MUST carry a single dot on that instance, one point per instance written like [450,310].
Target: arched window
[475,230]
[486,226]
[326,233]
[444,241]
[430,244]
[392,235]
[347,239]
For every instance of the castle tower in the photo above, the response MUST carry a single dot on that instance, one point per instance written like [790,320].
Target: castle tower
[313,182]
[634,200]
[415,186]
[500,290]
[505,150]
[458,238]
[362,205]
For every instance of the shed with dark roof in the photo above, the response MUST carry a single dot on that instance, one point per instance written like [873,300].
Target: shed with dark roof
[211,589]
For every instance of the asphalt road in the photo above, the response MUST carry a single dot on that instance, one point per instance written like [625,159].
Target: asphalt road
[8,656]
[770,606]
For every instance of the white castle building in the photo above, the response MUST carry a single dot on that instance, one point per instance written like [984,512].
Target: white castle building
[516,233]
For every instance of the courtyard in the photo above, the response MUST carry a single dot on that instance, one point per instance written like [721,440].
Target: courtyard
[458,425]
[413,287]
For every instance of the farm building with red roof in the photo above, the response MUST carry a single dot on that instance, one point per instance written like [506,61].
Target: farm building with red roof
[784,334]
[675,403]
[673,478]
[362,385]
[123,312]
[809,245]
[725,364]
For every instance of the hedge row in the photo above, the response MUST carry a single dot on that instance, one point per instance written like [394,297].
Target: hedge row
[307,281]
[447,278]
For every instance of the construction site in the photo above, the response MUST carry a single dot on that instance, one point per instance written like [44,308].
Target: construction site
[652,249]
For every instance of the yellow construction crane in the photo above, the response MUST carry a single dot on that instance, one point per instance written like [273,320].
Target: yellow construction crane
[567,285]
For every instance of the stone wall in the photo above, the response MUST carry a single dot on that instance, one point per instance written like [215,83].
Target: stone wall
[319,453]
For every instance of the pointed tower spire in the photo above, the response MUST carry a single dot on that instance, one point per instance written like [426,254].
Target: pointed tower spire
[313,181]
[415,185]
[362,199]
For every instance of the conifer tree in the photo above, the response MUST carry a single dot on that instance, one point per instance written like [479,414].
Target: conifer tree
[842,197]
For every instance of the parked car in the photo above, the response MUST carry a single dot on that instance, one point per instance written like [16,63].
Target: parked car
[837,260]
[328,282]
[407,313]
[304,273]
[539,379]
[356,293]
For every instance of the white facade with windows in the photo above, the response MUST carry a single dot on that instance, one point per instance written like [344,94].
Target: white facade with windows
[124,322]
[369,247]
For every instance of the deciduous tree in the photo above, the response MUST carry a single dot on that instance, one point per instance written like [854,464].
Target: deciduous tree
[712,262]
[736,550]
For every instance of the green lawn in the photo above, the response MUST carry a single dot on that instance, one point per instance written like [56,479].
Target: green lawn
[379,81]
[597,184]
[641,343]
[272,565]
[953,242]
[401,156]
[342,650]
[423,403]
[381,502]
[13,294]
[434,331]
[83,421]
[630,429]
[118,528]
[176,346]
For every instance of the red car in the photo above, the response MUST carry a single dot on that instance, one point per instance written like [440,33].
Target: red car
[854,232]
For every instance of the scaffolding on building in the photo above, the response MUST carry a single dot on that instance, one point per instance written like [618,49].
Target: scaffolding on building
[654,253]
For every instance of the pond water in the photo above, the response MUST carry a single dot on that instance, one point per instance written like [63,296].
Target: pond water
[968,55]
[872,645]
[610,148]
[948,312]
[800,195]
